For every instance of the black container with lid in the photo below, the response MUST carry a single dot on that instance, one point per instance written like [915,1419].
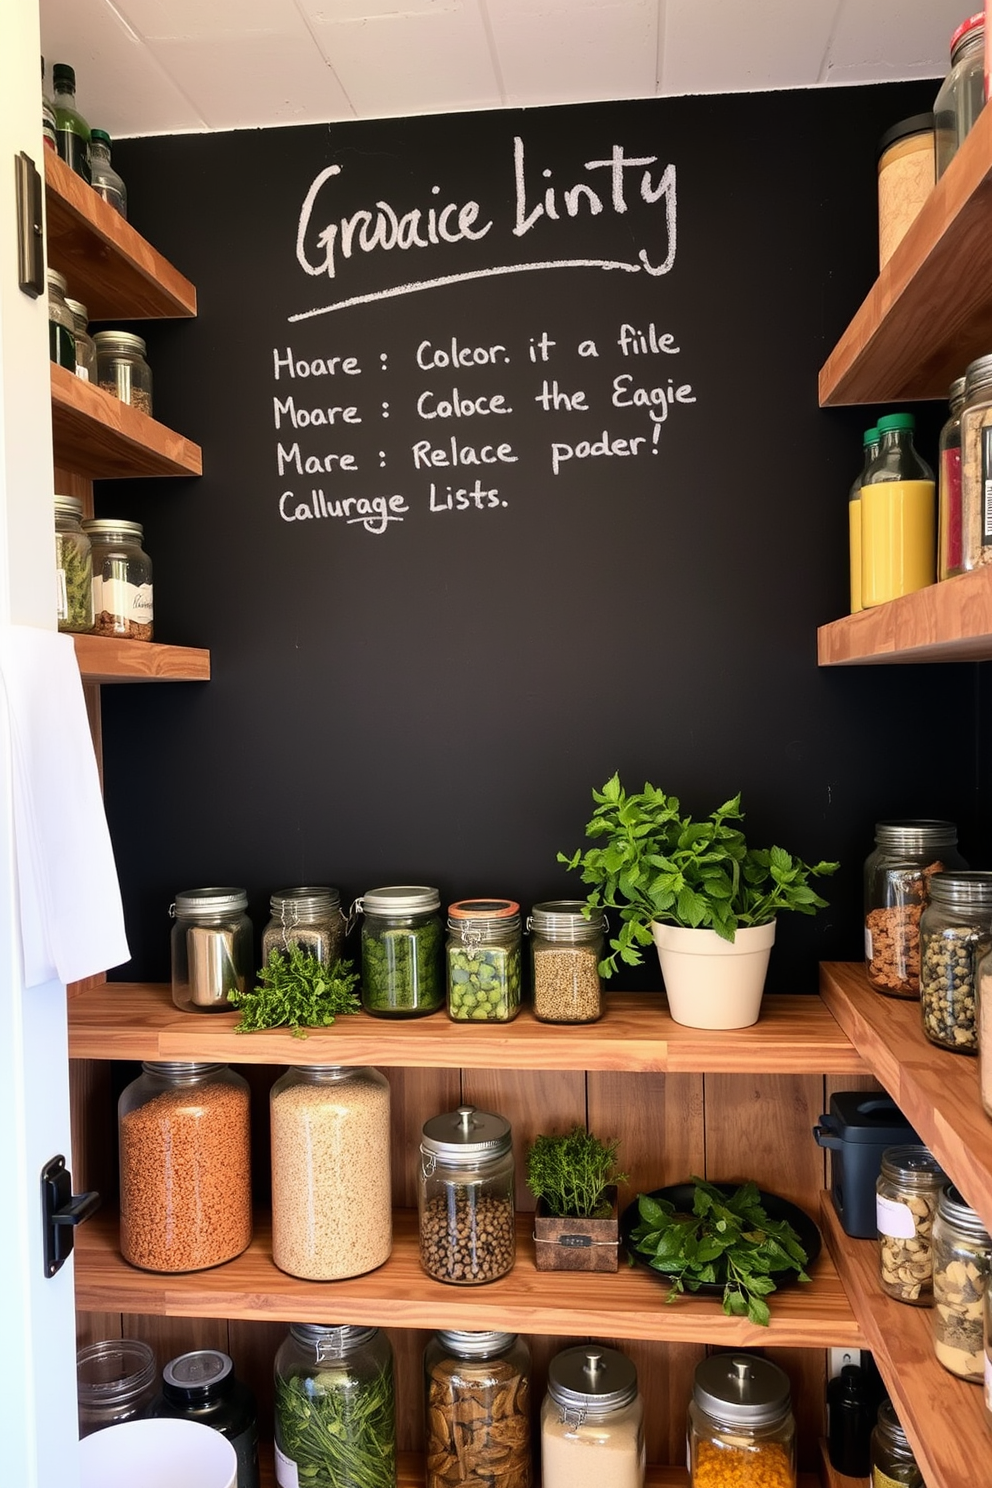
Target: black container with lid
[857,1129]
[202,1386]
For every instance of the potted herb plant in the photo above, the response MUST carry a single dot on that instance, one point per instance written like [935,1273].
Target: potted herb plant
[696,889]
[574,1178]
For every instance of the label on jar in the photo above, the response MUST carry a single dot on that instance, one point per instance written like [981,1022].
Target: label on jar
[287,1472]
[869,953]
[880,1479]
[893,1218]
[986,485]
[118,597]
[63,597]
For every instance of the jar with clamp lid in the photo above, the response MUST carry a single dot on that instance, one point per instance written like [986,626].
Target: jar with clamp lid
[308,917]
[202,1386]
[592,1421]
[906,1194]
[477,1399]
[402,968]
[565,951]
[897,878]
[892,1462]
[61,326]
[335,1408]
[123,602]
[212,948]
[74,567]
[483,960]
[115,1382]
[465,1197]
[741,1428]
[122,368]
[955,933]
[961,1254]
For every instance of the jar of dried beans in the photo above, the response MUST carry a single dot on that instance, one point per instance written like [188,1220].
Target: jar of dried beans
[477,1398]
[465,1197]
[123,596]
[592,1421]
[565,951]
[122,369]
[483,960]
[907,1190]
[955,933]
[892,1462]
[741,1428]
[185,1166]
[961,1247]
[211,948]
[309,918]
[976,464]
[331,1196]
[335,1408]
[897,877]
[402,970]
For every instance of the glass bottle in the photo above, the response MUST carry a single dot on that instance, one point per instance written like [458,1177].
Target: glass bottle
[331,1194]
[949,530]
[565,952]
[202,1386]
[892,1462]
[85,345]
[850,1419]
[906,1194]
[955,933]
[103,178]
[402,968]
[123,596]
[976,463]
[74,567]
[898,516]
[477,1409]
[897,878]
[335,1407]
[870,445]
[49,128]
[961,97]
[71,129]
[212,950]
[741,1427]
[483,960]
[185,1166]
[115,1382]
[123,370]
[465,1197]
[308,917]
[961,1255]
[592,1420]
[61,326]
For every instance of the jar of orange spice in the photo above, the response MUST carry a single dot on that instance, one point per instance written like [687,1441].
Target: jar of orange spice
[741,1430]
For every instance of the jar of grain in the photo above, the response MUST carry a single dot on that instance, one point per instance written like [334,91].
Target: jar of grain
[896,877]
[898,516]
[962,93]
[892,1462]
[906,1195]
[185,1167]
[906,175]
[402,938]
[115,1382]
[483,960]
[565,951]
[74,567]
[741,1428]
[212,948]
[477,1400]
[465,1197]
[949,528]
[122,369]
[955,933]
[592,1421]
[310,918]
[331,1195]
[123,597]
[961,1256]
[335,1408]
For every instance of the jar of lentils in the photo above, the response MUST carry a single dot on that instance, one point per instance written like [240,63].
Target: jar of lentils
[897,878]
[74,567]
[892,1462]
[483,960]
[955,933]
[565,951]
[465,1197]
[309,918]
[477,1398]
[741,1427]
[906,1195]
[402,970]
[961,1247]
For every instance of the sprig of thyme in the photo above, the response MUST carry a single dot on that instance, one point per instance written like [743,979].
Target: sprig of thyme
[297,991]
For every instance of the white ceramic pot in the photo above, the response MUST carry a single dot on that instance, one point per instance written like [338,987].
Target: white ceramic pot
[157,1453]
[712,982]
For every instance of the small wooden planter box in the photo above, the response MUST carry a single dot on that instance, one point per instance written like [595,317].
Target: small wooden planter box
[576,1244]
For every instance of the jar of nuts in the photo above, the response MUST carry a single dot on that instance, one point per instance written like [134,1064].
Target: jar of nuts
[477,1397]
[565,950]
[897,877]
[955,933]
[906,1201]
[483,960]
[465,1197]
[961,1247]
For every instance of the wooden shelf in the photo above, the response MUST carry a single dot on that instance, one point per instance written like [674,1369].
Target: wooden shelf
[944,1417]
[109,266]
[106,659]
[936,1090]
[96,435]
[929,312]
[831,1478]
[132,1020]
[951,621]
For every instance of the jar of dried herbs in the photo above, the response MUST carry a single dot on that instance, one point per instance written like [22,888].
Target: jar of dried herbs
[122,369]
[402,942]
[74,567]
[123,603]
[565,951]
[477,1399]
[906,1195]
[592,1421]
[212,948]
[483,960]
[465,1197]
[955,933]
[976,464]
[897,877]
[335,1408]
[961,1256]
[308,917]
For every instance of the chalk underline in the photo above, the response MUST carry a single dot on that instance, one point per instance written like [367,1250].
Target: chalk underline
[417,285]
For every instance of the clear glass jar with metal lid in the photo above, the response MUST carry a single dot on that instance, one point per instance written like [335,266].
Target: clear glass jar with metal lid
[61,326]
[985,1031]
[949,529]
[202,1386]
[402,943]
[483,960]
[477,1410]
[592,1421]
[961,97]
[308,917]
[955,933]
[465,1197]
[897,876]
[976,464]
[335,1408]
[85,345]
[122,369]
[906,1194]
[741,1428]
[185,1166]
[212,950]
[115,1382]
[961,1256]
[73,567]
[565,951]
[892,1462]
[123,596]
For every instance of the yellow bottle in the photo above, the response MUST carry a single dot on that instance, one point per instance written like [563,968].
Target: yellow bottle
[898,516]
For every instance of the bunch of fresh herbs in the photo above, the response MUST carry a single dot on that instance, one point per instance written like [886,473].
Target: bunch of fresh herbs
[297,991]
[338,1428]
[571,1173]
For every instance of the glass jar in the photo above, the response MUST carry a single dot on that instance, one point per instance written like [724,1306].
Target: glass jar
[115,1382]
[592,1421]
[961,1255]
[185,1166]
[122,579]
[123,370]
[905,161]
[477,1409]
[955,933]
[741,1428]
[985,1031]
[465,1197]
[85,345]
[202,1386]
[961,97]
[61,326]
[402,972]
[335,1408]
[308,917]
[976,464]
[906,1194]
[72,133]
[870,443]
[897,878]
[892,1462]
[898,516]
[103,178]
[949,532]
[74,567]
[212,948]
[565,952]
[483,960]
[987,1346]
[331,1195]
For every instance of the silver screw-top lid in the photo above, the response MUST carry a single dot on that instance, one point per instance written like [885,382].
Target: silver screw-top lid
[474,1345]
[955,396]
[912,1164]
[56,281]
[741,1389]
[919,834]
[179,1069]
[466,1133]
[962,890]
[952,1207]
[79,313]
[197,1375]
[111,341]
[592,1378]
[977,374]
[192,903]
[69,506]
[110,527]
[401,899]
[563,919]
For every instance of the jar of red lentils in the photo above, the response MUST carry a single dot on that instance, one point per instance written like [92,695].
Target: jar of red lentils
[741,1428]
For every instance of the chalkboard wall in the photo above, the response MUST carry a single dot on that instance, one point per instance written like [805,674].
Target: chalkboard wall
[514,476]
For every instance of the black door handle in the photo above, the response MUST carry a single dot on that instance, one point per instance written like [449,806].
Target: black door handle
[61,1211]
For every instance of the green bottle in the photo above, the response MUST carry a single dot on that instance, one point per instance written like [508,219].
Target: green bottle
[71,129]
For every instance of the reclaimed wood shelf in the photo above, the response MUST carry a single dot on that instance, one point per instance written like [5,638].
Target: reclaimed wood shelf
[107,659]
[929,313]
[935,1089]
[950,621]
[133,1020]
[410,1474]
[831,1478]
[96,435]
[944,1417]
[109,266]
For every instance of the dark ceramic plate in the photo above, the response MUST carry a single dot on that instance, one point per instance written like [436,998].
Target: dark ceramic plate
[681,1195]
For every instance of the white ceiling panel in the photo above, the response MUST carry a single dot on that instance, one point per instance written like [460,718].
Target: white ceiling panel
[188,19]
[558,51]
[728,46]
[893,39]
[324,12]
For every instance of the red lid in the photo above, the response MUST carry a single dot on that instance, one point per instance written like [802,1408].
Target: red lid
[483,909]
[978,19]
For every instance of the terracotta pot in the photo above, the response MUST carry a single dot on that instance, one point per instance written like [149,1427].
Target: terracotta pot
[576,1244]
[712,982]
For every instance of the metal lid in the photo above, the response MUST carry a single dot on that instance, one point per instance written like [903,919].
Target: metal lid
[119,341]
[565,920]
[912,1164]
[72,506]
[952,1207]
[977,374]
[79,310]
[967,32]
[483,909]
[916,834]
[466,1133]
[110,527]
[591,1377]
[956,392]
[193,902]
[197,1375]
[962,890]
[890,1423]
[305,903]
[179,1069]
[741,1389]
[339,1338]
[53,277]
[401,899]
[474,1345]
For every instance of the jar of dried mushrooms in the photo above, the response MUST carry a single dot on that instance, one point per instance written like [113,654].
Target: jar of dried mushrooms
[907,1191]
[477,1395]
[961,1247]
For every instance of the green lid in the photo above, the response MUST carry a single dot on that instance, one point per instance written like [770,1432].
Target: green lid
[100,136]
[871,436]
[892,421]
